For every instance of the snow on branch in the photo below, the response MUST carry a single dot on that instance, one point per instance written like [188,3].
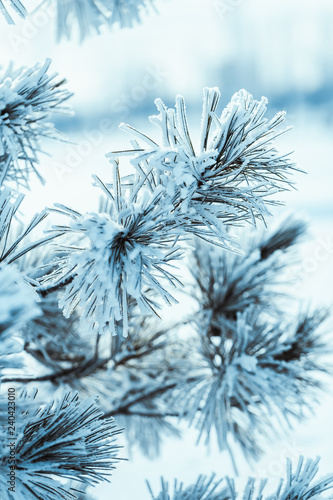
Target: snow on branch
[242,365]
[15,238]
[121,253]
[226,283]
[299,483]
[18,298]
[232,174]
[174,194]
[62,440]
[206,488]
[251,371]
[253,364]
[27,98]
[128,379]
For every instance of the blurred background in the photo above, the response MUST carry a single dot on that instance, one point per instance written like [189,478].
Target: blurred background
[281,49]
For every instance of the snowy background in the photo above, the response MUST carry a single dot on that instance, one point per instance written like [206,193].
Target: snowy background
[278,48]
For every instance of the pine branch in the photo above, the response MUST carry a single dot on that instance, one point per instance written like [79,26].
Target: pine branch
[84,369]
[28,97]
[204,489]
[233,174]
[227,283]
[251,370]
[52,339]
[298,484]
[45,290]
[16,242]
[124,253]
[151,393]
[67,440]
[128,247]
